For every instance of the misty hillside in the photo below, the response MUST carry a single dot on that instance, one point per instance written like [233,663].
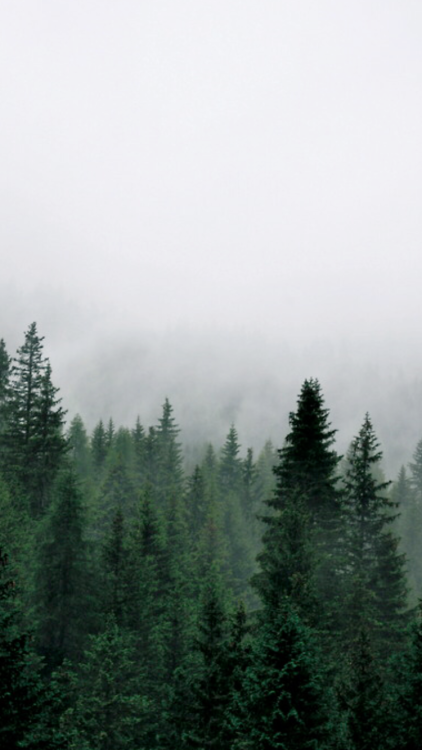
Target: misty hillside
[157,596]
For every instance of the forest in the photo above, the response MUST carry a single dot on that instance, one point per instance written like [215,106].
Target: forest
[248,602]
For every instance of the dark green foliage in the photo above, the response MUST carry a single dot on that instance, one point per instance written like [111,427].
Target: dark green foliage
[99,446]
[5,362]
[201,712]
[167,464]
[108,708]
[231,468]
[308,463]
[61,594]
[282,704]
[26,709]
[364,699]
[287,558]
[301,543]
[375,581]
[115,568]
[79,449]
[409,700]
[33,443]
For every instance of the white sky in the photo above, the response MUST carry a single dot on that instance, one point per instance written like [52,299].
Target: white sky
[186,162]
[200,165]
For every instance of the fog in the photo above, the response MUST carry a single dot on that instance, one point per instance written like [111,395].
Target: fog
[213,201]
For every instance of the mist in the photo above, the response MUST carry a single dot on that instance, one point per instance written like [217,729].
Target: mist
[212,203]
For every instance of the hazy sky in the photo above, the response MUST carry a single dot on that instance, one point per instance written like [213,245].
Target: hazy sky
[175,167]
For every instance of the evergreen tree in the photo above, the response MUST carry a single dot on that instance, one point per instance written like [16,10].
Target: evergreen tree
[26,709]
[374,569]
[61,593]
[201,711]
[139,447]
[33,444]
[116,571]
[169,476]
[99,446]
[111,707]
[308,464]
[79,449]
[5,362]
[231,469]
[416,471]
[283,702]
[301,543]
[364,699]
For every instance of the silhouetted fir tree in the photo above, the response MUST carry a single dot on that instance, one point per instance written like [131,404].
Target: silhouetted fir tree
[47,442]
[61,585]
[99,446]
[26,708]
[151,458]
[265,476]
[5,362]
[306,501]
[139,449]
[169,476]
[249,476]
[231,468]
[33,444]
[109,434]
[374,585]
[79,449]
[308,463]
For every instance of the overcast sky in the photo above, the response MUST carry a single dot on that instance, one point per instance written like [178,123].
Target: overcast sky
[175,167]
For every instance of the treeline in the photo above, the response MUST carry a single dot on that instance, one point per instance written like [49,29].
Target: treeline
[256,602]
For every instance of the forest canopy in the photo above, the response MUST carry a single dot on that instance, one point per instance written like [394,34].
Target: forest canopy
[252,601]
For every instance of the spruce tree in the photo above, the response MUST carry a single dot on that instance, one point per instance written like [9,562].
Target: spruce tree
[167,461]
[62,594]
[302,528]
[374,578]
[111,706]
[26,708]
[33,443]
[283,702]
